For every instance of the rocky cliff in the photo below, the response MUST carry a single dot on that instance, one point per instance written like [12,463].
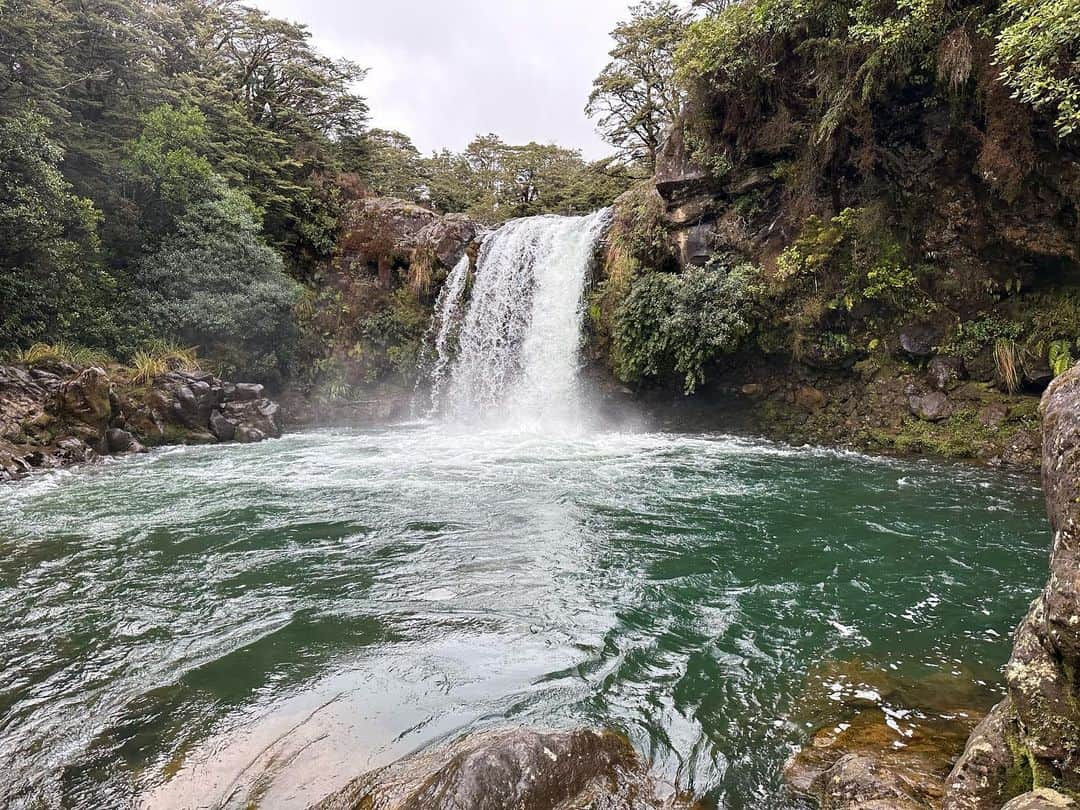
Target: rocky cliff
[1031,741]
[364,327]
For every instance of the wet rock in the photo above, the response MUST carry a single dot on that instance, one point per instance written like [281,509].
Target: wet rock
[72,451]
[918,341]
[1034,740]
[86,397]
[512,768]
[931,407]
[448,238]
[945,373]
[246,434]
[120,441]
[222,427]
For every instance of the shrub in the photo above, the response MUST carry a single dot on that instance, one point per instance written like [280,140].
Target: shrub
[216,284]
[681,322]
[1037,51]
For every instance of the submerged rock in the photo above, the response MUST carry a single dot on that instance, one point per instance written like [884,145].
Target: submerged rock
[887,743]
[513,768]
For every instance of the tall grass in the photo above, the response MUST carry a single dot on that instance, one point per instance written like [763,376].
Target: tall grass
[61,352]
[160,357]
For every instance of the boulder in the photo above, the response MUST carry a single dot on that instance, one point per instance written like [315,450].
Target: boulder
[120,441]
[243,392]
[994,415]
[1042,799]
[86,397]
[931,407]
[512,768]
[919,340]
[222,427]
[945,373]
[809,399]
[448,238]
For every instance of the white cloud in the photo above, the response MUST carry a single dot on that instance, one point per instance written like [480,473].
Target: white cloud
[443,72]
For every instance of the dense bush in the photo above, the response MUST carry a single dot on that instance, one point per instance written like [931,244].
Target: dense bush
[216,284]
[681,322]
[1039,53]
[51,282]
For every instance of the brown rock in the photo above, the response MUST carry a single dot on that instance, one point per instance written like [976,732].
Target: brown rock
[932,407]
[86,397]
[1041,799]
[1034,738]
[809,399]
[994,416]
[511,768]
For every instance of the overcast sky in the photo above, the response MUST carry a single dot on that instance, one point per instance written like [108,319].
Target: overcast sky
[443,71]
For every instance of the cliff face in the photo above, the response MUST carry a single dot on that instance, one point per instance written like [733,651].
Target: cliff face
[363,327]
[1032,739]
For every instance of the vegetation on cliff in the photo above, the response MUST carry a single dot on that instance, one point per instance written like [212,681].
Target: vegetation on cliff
[902,176]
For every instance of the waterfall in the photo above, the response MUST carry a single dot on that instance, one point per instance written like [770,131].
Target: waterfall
[510,347]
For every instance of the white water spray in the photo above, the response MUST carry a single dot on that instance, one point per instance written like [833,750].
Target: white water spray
[511,349]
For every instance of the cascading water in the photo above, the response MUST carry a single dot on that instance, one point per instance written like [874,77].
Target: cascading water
[511,347]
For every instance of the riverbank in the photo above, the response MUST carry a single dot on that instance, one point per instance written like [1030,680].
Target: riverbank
[55,414]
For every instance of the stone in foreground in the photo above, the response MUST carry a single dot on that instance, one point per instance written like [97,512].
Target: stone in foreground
[513,768]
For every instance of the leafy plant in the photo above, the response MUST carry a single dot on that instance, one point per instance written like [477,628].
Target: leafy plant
[681,322]
[1060,356]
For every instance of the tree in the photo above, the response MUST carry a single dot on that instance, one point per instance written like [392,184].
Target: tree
[51,284]
[390,165]
[636,98]
[216,284]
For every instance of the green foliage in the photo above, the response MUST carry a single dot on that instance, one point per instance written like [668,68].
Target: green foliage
[636,97]
[1060,355]
[972,337]
[214,283]
[51,284]
[681,322]
[1039,53]
[853,255]
[168,166]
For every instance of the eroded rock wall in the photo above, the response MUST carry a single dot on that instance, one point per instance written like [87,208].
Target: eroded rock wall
[1032,739]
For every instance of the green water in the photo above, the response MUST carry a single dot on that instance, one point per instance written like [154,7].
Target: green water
[213,626]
